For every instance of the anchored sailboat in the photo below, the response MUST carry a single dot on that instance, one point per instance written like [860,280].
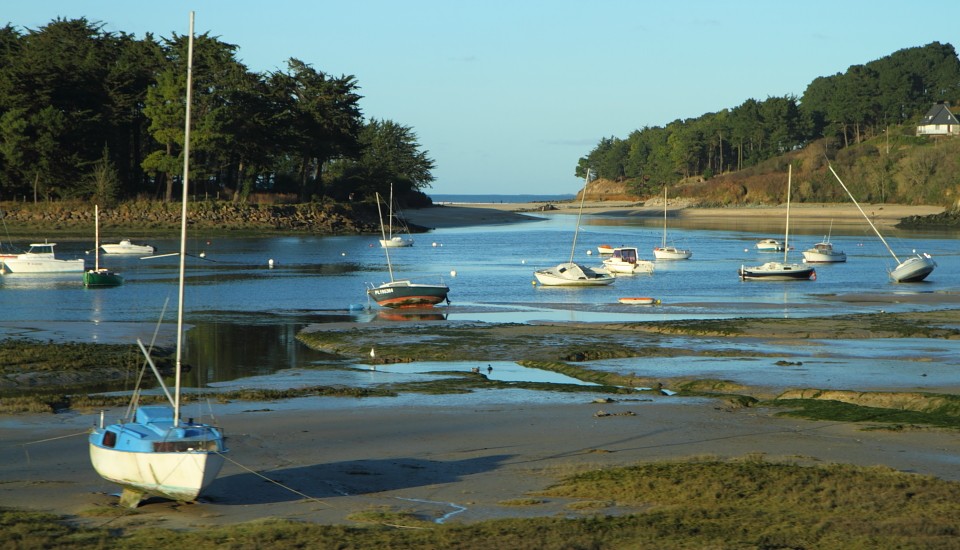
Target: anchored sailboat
[157,452]
[99,276]
[664,252]
[572,273]
[780,271]
[912,270]
[390,240]
[403,293]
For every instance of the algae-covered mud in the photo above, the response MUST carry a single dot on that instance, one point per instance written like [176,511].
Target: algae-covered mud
[899,362]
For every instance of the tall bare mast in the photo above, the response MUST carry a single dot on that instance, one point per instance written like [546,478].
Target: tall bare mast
[183,224]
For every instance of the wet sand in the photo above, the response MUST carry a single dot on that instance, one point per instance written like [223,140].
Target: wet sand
[322,459]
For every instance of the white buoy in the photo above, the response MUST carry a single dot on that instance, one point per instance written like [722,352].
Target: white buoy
[523,261]
[373,354]
[589,252]
[453,273]
[203,254]
[434,244]
[270,262]
[343,253]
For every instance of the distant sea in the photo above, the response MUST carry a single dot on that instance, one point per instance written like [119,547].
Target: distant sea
[468,199]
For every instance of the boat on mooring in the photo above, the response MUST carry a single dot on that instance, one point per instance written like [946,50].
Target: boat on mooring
[99,277]
[126,246]
[39,258]
[625,260]
[571,273]
[404,293]
[914,269]
[780,271]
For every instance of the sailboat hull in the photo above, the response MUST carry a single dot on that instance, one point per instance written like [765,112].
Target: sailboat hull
[776,271]
[671,253]
[573,274]
[396,242]
[823,253]
[177,476]
[403,294]
[152,456]
[913,269]
[101,278]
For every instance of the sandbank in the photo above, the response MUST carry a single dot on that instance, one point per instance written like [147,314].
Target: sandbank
[460,215]
[322,459]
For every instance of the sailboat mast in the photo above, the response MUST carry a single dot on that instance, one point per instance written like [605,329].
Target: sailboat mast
[183,224]
[875,230]
[96,237]
[583,197]
[386,247]
[390,211]
[664,243]
[786,232]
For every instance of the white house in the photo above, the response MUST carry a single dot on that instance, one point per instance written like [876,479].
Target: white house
[938,121]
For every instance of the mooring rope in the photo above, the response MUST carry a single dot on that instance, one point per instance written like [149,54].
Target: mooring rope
[275,482]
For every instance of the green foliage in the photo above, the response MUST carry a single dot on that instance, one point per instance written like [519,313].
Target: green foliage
[70,91]
[390,155]
[847,110]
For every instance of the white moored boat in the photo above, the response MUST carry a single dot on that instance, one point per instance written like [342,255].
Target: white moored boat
[125,246]
[40,258]
[390,240]
[769,245]
[823,253]
[912,270]
[571,273]
[625,260]
[664,252]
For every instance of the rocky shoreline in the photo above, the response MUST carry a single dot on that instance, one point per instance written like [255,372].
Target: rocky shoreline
[945,219]
[153,216]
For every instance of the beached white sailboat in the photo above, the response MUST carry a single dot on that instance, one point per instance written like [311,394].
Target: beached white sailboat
[912,270]
[390,240]
[664,252]
[571,273]
[157,452]
[780,271]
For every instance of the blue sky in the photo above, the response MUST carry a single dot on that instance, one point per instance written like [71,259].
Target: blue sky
[506,95]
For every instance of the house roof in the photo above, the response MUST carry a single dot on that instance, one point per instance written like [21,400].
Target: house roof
[938,114]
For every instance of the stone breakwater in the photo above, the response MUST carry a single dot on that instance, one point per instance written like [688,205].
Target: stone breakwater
[326,218]
[948,218]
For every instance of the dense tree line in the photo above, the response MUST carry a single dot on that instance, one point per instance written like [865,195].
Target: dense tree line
[846,108]
[90,114]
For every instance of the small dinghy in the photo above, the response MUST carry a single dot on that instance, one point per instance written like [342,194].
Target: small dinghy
[641,301]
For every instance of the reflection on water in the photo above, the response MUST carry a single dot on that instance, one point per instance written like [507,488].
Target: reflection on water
[219,351]
[246,315]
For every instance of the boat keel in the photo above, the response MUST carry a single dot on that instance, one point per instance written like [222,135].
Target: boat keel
[131,498]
